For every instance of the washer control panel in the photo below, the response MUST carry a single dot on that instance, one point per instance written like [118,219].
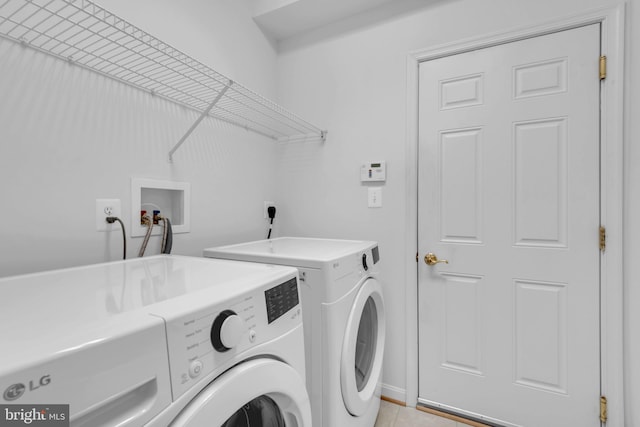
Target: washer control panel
[216,337]
[280,299]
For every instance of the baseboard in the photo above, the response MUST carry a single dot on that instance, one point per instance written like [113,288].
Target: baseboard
[394,401]
[452,417]
[394,394]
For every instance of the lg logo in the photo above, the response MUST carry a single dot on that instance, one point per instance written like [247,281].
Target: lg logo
[16,391]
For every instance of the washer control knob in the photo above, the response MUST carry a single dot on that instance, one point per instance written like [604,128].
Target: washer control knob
[252,335]
[195,368]
[226,331]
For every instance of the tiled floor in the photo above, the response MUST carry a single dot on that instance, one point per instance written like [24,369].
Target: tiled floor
[392,415]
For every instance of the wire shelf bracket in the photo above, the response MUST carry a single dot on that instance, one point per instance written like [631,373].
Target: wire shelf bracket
[85,34]
[204,114]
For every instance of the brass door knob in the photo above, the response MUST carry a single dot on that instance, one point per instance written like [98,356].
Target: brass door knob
[432,259]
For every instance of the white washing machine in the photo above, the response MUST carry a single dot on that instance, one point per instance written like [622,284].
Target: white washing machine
[344,321]
[158,341]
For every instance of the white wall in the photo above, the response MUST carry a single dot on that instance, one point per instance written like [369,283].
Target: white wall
[351,79]
[69,136]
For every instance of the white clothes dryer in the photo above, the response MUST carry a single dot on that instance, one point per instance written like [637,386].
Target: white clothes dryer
[344,321]
[157,341]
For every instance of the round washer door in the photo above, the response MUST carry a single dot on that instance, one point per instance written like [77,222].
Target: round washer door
[363,348]
[259,392]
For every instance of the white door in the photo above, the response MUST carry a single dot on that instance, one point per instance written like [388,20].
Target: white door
[509,196]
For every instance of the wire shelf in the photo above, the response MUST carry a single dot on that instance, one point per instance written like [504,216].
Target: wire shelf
[85,34]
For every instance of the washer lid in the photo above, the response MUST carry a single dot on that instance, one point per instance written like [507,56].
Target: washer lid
[57,312]
[295,251]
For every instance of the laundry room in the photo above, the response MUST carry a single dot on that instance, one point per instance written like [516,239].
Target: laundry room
[71,138]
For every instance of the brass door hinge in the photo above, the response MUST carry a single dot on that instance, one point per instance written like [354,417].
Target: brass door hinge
[603,409]
[603,238]
[603,67]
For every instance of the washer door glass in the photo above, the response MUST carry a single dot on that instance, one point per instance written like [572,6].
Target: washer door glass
[363,348]
[260,412]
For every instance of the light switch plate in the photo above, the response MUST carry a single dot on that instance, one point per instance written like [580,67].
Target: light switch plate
[375,197]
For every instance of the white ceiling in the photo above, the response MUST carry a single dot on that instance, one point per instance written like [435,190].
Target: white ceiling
[281,19]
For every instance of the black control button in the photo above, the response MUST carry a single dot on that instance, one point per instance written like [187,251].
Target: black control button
[216,330]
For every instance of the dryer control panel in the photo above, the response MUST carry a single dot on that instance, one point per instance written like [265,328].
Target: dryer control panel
[369,258]
[212,339]
[348,270]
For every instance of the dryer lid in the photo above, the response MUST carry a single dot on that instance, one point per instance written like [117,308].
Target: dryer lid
[295,251]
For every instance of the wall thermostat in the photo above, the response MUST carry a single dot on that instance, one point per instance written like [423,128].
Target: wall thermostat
[373,171]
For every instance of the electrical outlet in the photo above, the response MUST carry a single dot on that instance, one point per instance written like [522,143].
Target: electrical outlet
[106,208]
[266,207]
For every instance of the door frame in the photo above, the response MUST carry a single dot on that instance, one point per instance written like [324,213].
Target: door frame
[611,188]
